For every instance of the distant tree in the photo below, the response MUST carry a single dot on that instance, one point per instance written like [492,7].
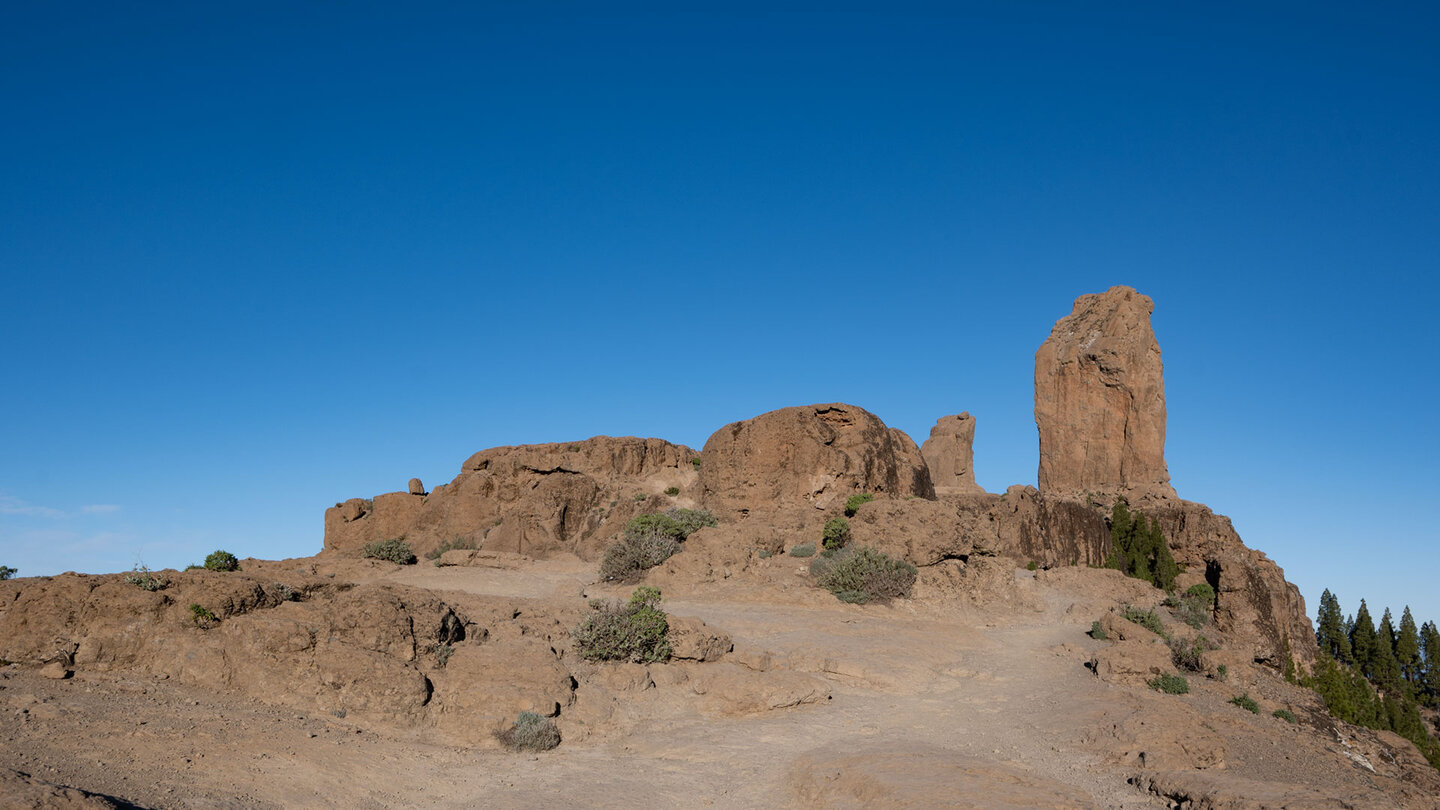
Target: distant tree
[6,572]
[1407,649]
[1363,641]
[1430,678]
[1330,629]
[1386,670]
[1138,548]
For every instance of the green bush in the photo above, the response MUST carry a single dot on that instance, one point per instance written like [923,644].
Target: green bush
[1097,632]
[221,561]
[1189,654]
[142,578]
[394,550]
[1284,714]
[1195,607]
[864,575]
[1247,703]
[1201,591]
[1222,672]
[836,533]
[628,560]
[202,617]
[6,572]
[1138,548]
[452,544]
[1170,684]
[765,553]
[1032,565]
[803,550]
[635,631]
[531,732]
[696,462]
[1145,618]
[854,502]
[672,491]
[677,523]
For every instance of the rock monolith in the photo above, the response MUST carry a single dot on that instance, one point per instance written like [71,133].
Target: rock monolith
[950,455]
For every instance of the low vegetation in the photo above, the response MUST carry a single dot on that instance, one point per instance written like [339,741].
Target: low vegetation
[394,550]
[1284,714]
[1190,655]
[836,533]
[453,544]
[1097,632]
[803,550]
[202,617]
[1247,703]
[635,631]
[6,572]
[854,502]
[1139,549]
[1145,618]
[650,539]
[1170,684]
[221,560]
[672,491]
[142,578]
[1195,607]
[531,732]
[860,575]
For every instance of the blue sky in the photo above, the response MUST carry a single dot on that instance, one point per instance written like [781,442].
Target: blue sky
[258,260]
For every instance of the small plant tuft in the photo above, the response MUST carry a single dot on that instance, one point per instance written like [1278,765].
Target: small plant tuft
[442,654]
[531,732]
[1170,684]
[202,617]
[142,578]
[1189,655]
[765,553]
[1097,632]
[629,559]
[452,544]
[696,462]
[854,502]
[1145,618]
[803,550]
[1284,714]
[1032,565]
[836,533]
[394,550]
[1222,672]
[1247,703]
[672,491]
[221,561]
[864,575]
[285,592]
[635,631]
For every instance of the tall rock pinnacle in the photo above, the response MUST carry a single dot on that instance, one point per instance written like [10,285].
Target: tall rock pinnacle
[1100,401]
[950,455]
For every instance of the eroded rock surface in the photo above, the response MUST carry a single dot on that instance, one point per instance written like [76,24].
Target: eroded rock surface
[1100,401]
[950,455]
[815,455]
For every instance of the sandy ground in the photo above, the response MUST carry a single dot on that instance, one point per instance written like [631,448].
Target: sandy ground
[1005,693]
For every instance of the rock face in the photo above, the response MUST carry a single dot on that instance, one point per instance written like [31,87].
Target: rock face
[950,455]
[1100,401]
[538,499]
[815,455]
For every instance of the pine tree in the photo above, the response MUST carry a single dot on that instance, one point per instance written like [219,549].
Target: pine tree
[1139,549]
[1430,678]
[1163,567]
[1120,523]
[1407,649]
[1385,671]
[1330,633]
[1362,640]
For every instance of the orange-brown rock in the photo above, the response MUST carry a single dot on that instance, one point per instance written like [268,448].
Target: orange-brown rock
[815,455]
[416,487]
[536,500]
[1100,401]
[950,455]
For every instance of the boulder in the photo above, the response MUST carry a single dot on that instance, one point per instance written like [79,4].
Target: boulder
[950,455]
[1100,401]
[537,500]
[416,488]
[814,455]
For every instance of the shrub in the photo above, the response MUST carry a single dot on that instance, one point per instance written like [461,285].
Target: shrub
[1284,714]
[639,496]
[854,502]
[1222,672]
[1139,549]
[1170,684]
[442,654]
[449,545]
[1189,654]
[836,533]
[765,553]
[221,561]
[635,631]
[672,491]
[6,572]
[1247,703]
[1145,618]
[1195,607]
[141,578]
[864,575]
[202,617]
[696,462]
[394,550]
[630,558]
[677,523]
[1098,632]
[1032,565]
[803,550]
[285,592]
[531,732]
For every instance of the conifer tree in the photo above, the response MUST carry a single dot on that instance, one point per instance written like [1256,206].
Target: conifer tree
[1330,629]
[1385,669]
[1363,642]
[1163,567]
[1407,649]
[1430,678]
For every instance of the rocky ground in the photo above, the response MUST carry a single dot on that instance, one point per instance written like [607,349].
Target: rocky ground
[985,695]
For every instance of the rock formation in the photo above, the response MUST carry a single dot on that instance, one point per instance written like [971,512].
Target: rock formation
[416,488]
[816,455]
[950,455]
[535,499]
[1100,401]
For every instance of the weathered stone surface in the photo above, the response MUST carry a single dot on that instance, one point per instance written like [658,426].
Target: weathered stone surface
[950,455]
[416,488]
[1100,401]
[19,790]
[815,455]
[693,640]
[536,500]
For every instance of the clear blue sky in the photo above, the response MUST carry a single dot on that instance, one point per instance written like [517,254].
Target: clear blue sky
[260,259]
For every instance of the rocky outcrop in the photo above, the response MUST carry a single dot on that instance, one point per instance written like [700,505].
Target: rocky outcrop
[950,455]
[815,455]
[537,500]
[1100,401]
[416,487]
